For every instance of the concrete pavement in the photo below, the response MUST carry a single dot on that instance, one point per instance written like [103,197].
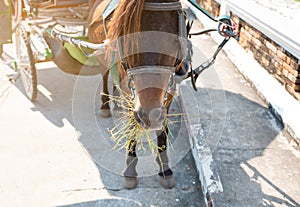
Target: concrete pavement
[57,151]
[243,154]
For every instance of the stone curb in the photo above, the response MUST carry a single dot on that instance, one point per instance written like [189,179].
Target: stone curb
[208,176]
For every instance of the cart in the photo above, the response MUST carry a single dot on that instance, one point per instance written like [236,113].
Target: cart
[52,30]
[56,30]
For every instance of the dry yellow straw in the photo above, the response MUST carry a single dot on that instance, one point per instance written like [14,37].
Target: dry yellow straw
[128,130]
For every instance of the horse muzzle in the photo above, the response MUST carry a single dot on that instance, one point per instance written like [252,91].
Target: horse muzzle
[154,119]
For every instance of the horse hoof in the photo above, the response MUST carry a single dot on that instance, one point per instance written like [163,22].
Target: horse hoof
[167,182]
[130,182]
[105,113]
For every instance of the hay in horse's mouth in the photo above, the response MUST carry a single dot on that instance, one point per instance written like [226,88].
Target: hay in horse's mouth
[127,130]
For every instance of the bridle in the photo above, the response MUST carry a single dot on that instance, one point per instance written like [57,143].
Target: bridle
[168,70]
[150,69]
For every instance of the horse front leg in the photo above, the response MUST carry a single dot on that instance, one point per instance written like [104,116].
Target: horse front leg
[105,110]
[166,174]
[130,174]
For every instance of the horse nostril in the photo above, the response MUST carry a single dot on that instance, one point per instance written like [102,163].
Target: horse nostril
[156,115]
[141,118]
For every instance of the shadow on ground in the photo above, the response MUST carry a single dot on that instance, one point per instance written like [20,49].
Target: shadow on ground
[244,141]
[76,99]
[248,134]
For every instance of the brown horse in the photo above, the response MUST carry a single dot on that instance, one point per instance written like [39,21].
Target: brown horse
[138,26]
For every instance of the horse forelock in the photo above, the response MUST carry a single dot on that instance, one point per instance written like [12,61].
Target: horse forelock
[127,20]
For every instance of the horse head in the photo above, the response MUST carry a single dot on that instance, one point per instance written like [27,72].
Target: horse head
[148,49]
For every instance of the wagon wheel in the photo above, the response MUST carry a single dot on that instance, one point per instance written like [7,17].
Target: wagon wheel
[17,13]
[25,62]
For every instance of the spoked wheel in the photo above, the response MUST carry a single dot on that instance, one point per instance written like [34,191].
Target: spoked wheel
[17,13]
[25,62]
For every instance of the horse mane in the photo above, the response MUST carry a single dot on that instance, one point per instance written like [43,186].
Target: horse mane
[127,20]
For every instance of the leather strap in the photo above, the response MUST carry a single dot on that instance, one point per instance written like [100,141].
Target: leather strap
[150,69]
[170,6]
